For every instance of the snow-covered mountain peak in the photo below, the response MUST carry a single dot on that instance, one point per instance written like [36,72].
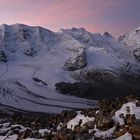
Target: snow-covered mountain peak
[77,29]
[108,35]
[21,38]
[33,60]
[138,29]
[132,39]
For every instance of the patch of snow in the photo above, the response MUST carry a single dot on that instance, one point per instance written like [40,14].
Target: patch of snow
[75,121]
[44,131]
[138,28]
[104,134]
[32,139]
[59,126]
[126,136]
[5,125]
[128,108]
[12,137]
[92,138]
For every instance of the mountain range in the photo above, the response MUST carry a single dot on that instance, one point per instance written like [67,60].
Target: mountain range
[37,65]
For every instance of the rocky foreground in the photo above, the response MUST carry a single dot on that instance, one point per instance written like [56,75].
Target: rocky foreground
[117,119]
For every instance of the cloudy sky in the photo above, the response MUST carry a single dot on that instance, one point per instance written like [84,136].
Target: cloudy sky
[115,16]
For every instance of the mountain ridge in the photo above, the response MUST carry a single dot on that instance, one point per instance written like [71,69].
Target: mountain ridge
[33,60]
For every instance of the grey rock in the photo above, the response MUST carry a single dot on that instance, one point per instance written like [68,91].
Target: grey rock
[30,52]
[78,62]
[3,56]
[136,53]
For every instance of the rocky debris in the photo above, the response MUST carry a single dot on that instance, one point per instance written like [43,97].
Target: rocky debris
[103,122]
[77,62]
[136,53]
[110,119]
[3,56]
[30,52]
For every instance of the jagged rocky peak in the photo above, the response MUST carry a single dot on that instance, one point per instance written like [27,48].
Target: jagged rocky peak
[78,29]
[85,37]
[75,29]
[121,38]
[108,35]
[138,29]
[132,39]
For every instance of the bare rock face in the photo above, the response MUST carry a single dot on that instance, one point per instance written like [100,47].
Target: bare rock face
[108,35]
[121,38]
[77,62]
[101,75]
[30,52]
[3,56]
[136,53]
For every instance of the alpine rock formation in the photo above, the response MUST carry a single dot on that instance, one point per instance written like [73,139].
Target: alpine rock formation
[37,65]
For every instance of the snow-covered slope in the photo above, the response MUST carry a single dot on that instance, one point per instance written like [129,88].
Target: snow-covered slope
[131,41]
[34,59]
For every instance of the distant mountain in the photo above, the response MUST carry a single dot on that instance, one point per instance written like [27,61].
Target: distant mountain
[34,61]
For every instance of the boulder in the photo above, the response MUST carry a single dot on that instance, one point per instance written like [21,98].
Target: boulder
[130,119]
[120,130]
[104,105]
[103,122]
[135,129]
[90,124]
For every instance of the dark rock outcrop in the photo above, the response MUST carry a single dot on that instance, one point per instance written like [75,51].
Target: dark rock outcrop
[136,53]
[3,56]
[78,62]
[97,90]
[30,52]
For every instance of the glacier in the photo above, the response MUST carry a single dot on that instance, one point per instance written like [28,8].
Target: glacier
[34,59]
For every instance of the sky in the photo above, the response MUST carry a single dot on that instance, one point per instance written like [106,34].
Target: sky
[114,16]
